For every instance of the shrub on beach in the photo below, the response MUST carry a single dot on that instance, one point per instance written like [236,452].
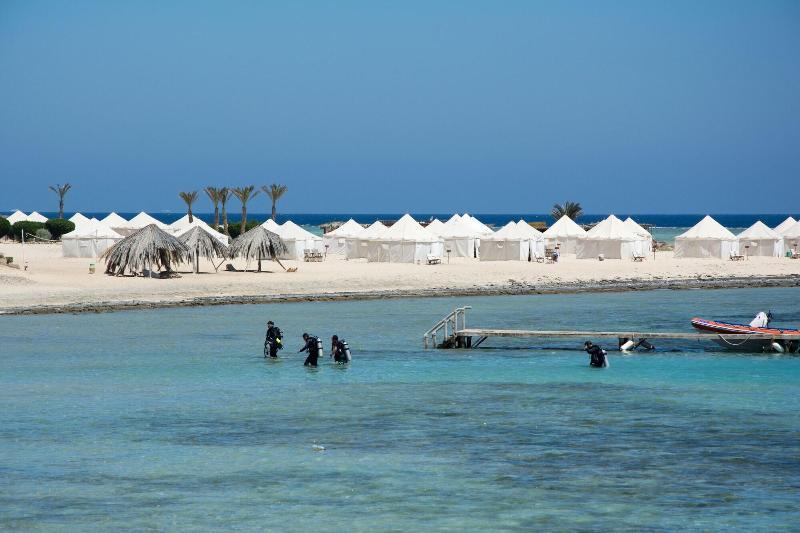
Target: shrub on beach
[5,227]
[236,228]
[28,227]
[58,227]
[44,234]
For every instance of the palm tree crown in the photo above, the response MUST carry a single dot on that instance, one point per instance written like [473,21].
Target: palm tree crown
[245,194]
[61,191]
[275,191]
[189,198]
[571,209]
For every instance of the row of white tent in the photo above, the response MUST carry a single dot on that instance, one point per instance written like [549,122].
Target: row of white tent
[708,238]
[19,216]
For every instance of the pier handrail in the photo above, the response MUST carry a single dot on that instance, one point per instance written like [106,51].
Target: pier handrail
[450,320]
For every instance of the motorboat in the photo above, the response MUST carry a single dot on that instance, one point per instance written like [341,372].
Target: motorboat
[756,336]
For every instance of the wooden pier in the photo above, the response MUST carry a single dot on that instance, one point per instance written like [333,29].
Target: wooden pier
[454,333]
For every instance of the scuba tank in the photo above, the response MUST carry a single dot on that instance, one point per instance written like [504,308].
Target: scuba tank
[347,356]
[320,349]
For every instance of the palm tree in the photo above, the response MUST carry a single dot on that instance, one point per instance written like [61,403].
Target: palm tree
[224,195]
[571,209]
[61,191]
[274,192]
[213,194]
[244,194]
[189,198]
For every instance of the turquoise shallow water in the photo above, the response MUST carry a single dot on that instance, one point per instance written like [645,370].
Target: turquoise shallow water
[171,419]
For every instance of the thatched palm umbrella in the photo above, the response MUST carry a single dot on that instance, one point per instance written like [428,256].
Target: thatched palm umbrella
[147,247]
[202,244]
[258,243]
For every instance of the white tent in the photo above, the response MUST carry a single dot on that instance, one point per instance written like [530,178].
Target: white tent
[509,243]
[298,240]
[143,219]
[480,227]
[196,222]
[791,237]
[404,242]
[118,224]
[78,219]
[786,224]
[638,230]
[434,227]
[36,217]
[460,235]
[707,238]
[357,247]
[760,240]
[537,239]
[17,216]
[272,226]
[612,238]
[336,240]
[89,240]
[564,234]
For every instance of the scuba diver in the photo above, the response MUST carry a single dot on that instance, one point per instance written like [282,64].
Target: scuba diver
[273,341]
[313,346]
[598,356]
[340,351]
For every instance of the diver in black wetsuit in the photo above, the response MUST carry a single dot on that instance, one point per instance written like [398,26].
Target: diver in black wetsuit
[597,355]
[312,347]
[273,341]
[339,350]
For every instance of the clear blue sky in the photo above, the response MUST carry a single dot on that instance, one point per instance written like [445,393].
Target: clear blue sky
[431,106]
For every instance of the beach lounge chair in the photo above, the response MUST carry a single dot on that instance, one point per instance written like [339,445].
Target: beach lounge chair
[434,259]
[638,258]
[736,257]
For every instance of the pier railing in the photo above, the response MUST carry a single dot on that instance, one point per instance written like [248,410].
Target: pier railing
[448,325]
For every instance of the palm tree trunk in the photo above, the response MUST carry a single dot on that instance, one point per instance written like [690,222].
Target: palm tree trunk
[225,218]
[273,209]
[244,220]
[191,219]
[61,207]
[216,217]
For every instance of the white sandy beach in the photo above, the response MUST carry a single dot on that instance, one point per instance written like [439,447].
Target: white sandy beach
[52,280]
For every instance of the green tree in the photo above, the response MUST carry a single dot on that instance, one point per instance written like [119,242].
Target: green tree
[5,227]
[58,227]
[275,192]
[245,194]
[572,209]
[189,198]
[214,195]
[61,191]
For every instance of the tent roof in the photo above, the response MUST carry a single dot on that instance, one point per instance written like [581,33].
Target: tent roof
[792,232]
[351,228]
[143,220]
[91,228]
[759,231]
[183,223]
[407,229]
[78,219]
[290,230]
[17,216]
[636,228]
[564,227]
[272,226]
[36,217]
[197,223]
[113,220]
[435,228]
[511,231]
[459,227]
[479,226]
[786,224]
[529,230]
[707,229]
[612,229]
[374,230]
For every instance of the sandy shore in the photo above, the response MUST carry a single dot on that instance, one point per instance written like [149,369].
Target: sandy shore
[54,284]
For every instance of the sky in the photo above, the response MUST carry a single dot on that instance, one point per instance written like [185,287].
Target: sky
[387,107]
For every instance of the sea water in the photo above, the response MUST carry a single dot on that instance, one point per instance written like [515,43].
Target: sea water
[172,419]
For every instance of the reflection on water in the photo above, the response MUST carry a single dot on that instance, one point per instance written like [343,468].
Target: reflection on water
[172,419]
